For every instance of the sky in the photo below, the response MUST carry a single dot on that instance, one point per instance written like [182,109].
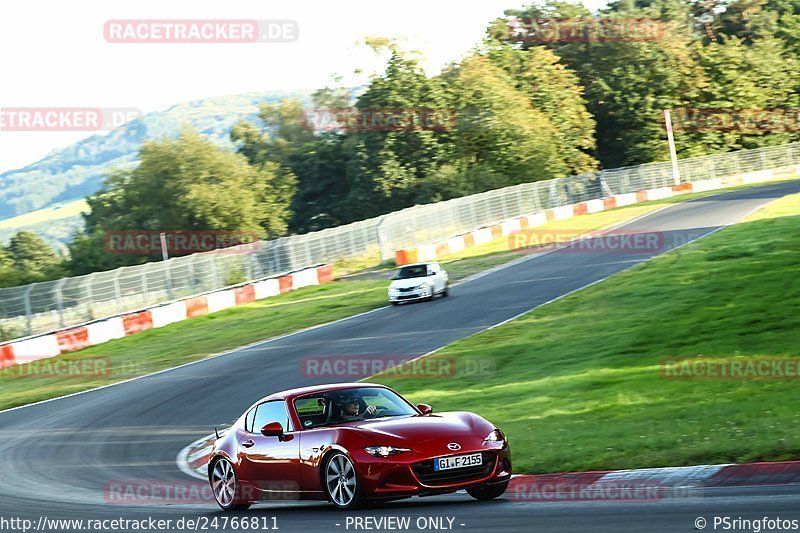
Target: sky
[55,54]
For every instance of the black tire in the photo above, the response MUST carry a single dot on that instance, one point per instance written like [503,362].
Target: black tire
[339,462]
[446,290]
[223,471]
[395,303]
[488,492]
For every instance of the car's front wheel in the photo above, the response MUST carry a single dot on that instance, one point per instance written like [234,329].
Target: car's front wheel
[488,492]
[341,482]
[225,487]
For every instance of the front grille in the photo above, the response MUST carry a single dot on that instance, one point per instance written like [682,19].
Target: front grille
[407,297]
[406,289]
[428,476]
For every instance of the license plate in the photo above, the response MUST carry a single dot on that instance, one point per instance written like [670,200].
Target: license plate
[457,461]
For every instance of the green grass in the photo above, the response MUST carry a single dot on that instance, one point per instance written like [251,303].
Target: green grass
[193,339]
[576,384]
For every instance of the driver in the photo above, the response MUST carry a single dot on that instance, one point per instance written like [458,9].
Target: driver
[350,406]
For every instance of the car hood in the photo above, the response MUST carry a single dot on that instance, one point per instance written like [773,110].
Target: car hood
[406,283]
[428,428]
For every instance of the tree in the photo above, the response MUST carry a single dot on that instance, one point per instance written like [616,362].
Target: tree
[317,159]
[501,139]
[388,170]
[28,259]
[554,90]
[186,183]
[756,79]
[32,255]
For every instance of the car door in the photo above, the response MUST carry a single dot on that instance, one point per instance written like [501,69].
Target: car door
[437,278]
[272,464]
[441,276]
[433,277]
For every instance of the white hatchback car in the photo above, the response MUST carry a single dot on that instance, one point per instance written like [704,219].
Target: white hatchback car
[420,281]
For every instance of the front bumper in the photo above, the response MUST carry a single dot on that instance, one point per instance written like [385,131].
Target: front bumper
[401,477]
[408,296]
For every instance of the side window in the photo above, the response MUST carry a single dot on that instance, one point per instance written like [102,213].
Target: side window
[248,421]
[274,411]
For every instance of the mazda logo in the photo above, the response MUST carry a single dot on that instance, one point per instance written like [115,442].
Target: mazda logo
[454,446]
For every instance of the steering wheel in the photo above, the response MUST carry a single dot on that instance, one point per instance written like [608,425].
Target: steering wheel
[379,409]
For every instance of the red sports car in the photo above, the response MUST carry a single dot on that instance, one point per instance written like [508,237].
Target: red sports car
[352,443]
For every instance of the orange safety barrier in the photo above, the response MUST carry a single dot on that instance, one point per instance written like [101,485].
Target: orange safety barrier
[641,196]
[609,203]
[580,209]
[137,322]
[406,257]
[324,274]
[196,306]
[245,294]
[285,283]
[73,339]
[7,356]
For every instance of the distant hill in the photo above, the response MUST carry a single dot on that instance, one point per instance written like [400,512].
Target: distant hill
[79,170]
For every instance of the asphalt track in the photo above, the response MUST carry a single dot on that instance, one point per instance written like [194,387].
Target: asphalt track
[57,457]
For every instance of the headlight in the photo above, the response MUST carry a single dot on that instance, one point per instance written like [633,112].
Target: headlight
[495,436]
[385,451]
[424,286]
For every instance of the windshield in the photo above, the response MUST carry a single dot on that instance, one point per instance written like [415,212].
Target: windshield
[348,405]
[413,271]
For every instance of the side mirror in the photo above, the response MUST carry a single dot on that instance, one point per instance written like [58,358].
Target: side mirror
[425,408]
[273,429]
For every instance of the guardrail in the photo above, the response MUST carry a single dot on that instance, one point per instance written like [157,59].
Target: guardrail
[456,243]
[50,345]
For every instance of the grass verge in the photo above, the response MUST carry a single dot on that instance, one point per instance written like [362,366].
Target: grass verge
[577,385]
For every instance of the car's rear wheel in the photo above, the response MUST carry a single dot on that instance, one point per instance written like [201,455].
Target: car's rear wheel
[446,289]
[341,482]
[225,486]
[488,492]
